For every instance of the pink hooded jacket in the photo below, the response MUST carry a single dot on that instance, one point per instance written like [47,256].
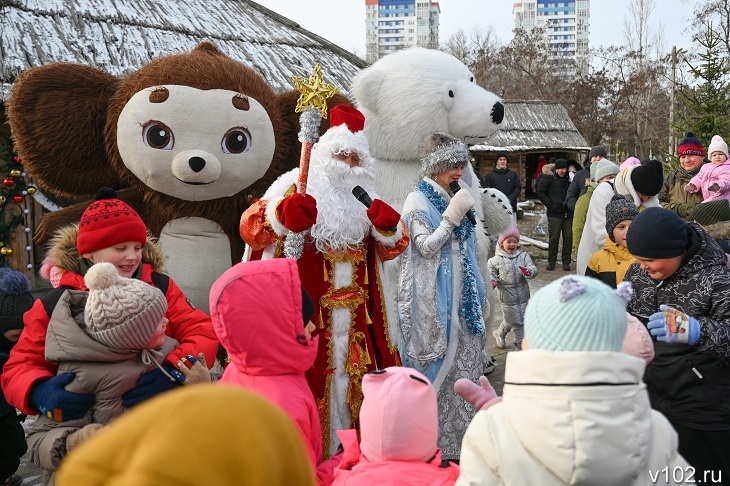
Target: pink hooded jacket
[256,308]
[399,429]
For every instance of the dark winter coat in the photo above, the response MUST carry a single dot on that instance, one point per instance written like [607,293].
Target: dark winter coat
[507,181]
[674,197]
[690,385]
[552,191]
[578,186]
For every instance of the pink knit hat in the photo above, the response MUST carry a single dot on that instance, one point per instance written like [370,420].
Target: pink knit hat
[399,416]
[628,163]
[513,231]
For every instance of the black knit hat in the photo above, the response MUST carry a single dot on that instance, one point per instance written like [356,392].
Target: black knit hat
[657,233]
[499,156]
[648,177]
[711,212]
[15,299]
[619,209]
[307,307]
[561,164]
[597,150]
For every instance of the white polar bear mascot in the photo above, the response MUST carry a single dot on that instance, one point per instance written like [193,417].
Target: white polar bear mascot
[410,94]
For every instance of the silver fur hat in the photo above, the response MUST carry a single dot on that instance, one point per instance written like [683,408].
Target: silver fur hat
[441,152]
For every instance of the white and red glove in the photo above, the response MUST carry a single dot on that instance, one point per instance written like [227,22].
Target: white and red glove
[525,271]
[297,212]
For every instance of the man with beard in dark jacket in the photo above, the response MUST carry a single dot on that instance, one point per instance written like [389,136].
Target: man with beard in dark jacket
[505,180]
[682,294]
[552,191]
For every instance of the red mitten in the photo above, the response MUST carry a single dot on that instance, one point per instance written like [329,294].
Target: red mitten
[525,271]
[477,396]
[495,283]
[383,217]
[297,212]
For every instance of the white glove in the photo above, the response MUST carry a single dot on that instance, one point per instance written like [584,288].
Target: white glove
[460,203]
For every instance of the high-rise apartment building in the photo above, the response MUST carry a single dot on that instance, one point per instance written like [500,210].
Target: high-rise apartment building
[392,25]
[566,24]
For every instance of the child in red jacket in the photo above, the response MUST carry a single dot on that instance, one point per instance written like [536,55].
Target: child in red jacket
[110,231]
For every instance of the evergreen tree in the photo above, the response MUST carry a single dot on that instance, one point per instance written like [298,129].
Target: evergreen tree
[706,104]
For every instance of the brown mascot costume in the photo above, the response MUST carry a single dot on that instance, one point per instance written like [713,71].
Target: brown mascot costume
[188,140]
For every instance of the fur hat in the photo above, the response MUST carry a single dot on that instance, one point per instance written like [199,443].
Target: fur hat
[15,299]
[604,168]
[344,136]
[399,416]
[596,151]
[513,231]
[109,221]
[619,209]
[657,233]
[121,312]
[711,212]
[690,145]
[576,313]
[648,177]
[717,145]
[628,163]
[440,152]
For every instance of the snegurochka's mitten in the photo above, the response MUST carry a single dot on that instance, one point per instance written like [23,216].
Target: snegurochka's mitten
[459,205]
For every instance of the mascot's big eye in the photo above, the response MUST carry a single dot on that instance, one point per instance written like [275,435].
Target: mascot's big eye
[451,94]
[471,80]
[237,140]
[158,135]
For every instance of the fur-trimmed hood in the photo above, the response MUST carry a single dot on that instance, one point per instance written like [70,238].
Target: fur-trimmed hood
[719,231]
[548,169]
[62,253]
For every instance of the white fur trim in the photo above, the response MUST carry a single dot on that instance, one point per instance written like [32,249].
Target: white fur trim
[341,137]
[270,213]
[391,240]
[339,409]
[282,185]
[342,274]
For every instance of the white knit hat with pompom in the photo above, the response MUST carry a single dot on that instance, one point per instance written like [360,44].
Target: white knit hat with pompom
[121,312]
[718,145]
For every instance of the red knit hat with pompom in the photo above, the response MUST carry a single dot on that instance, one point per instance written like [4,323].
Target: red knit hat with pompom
[109,221]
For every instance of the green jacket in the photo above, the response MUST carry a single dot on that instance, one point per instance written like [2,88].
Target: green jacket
[580,213]
[675,198]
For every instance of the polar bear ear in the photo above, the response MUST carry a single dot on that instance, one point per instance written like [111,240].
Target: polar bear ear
[366,88]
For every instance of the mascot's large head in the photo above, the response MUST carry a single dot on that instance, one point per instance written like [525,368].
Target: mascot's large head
[190,127]
[414,92]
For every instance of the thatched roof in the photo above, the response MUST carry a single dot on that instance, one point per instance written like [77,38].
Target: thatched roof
[118,36]
[533,126]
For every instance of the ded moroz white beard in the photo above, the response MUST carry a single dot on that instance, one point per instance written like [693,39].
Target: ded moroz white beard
[342,221]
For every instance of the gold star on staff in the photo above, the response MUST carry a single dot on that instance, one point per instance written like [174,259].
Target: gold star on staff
[314,91]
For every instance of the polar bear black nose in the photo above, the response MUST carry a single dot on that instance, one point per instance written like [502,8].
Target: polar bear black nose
[497,113]
[198,163]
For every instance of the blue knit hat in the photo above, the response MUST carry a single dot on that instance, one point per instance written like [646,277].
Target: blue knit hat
[576,313]
[657,233]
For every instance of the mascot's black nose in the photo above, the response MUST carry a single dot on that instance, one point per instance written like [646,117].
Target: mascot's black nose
[198,163]
[498,113]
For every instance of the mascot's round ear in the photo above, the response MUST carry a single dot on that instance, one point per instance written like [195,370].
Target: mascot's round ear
[366,86]
[208,47]
[57,115]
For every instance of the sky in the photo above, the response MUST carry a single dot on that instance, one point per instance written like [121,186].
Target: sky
[343,21]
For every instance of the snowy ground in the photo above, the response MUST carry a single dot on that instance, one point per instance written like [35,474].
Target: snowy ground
[526,225]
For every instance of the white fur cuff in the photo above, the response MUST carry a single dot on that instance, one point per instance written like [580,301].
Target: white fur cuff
[389,239]
[270,212]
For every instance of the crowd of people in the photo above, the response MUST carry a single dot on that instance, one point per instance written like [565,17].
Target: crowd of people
[338,375]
